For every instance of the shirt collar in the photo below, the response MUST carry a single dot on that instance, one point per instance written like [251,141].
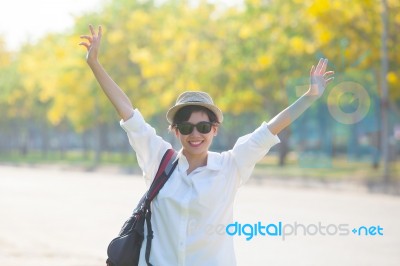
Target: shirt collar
[213,161]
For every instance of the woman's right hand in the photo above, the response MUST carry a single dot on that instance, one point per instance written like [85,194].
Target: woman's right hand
[92,44]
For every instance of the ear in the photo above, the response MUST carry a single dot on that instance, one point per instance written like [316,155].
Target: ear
[215,130]
[176,132]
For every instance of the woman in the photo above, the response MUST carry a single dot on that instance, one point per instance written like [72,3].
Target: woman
[198,198]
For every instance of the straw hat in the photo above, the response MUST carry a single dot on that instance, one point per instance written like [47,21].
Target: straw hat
[194,98]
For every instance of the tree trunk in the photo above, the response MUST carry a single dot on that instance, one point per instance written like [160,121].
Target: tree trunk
[284,146]
[44,133]
[384,87]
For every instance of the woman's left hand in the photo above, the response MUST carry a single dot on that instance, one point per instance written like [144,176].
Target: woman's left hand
[319,78]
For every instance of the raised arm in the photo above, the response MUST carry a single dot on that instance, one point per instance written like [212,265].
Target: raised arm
[319,78]
[117,97]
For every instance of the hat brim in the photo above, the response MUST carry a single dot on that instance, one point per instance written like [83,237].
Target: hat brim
[173,110]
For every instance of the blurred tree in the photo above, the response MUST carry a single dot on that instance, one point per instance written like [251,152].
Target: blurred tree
[253,59]
[14,105]
[355,38]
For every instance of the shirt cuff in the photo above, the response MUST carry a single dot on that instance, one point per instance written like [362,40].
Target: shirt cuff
[134,123]
[271,139]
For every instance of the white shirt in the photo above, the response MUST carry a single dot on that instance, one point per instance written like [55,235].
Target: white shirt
[190,213]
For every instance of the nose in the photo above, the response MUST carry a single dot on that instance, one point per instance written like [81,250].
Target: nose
[195,132]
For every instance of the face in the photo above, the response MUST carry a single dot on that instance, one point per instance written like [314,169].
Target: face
[196,143]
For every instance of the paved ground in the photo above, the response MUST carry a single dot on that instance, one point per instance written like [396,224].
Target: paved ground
[54,217]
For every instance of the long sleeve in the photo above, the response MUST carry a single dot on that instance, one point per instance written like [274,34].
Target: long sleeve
[251,148]
[149,147]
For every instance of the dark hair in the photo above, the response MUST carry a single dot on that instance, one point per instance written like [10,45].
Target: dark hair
[184,114]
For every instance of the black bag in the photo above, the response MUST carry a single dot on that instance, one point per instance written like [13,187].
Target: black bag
[124,250]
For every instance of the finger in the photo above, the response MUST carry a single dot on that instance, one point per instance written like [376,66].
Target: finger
[312,70]
[84,44]
[329,80]
[92,30]
[319,65]
[100,32]
[324,65]
[329,73]
[86,37]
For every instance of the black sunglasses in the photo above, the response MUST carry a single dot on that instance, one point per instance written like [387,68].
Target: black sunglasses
[186,128]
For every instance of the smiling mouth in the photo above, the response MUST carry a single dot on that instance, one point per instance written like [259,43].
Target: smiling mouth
[195,143]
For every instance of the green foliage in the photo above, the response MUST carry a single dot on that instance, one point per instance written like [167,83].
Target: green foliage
[244,57]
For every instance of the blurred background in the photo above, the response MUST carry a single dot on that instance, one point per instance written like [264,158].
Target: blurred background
[252,56]
[64,160]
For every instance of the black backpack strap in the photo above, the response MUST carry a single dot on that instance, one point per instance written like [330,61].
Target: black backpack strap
[149,237]
[167,166]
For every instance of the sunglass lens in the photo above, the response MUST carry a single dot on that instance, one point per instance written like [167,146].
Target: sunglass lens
[203,127]
[185,129]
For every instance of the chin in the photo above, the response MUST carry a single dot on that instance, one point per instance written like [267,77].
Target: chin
[195,151]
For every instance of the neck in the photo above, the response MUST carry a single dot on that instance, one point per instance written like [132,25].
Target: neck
[195,160]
